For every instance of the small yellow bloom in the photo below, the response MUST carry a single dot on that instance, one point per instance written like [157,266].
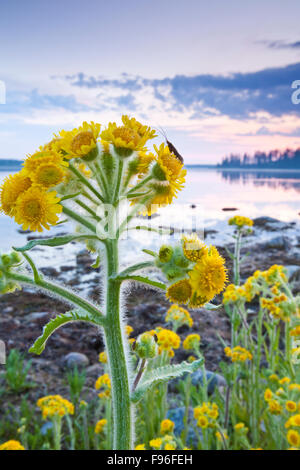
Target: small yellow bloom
[179,292]
[268,394]
[100,426]
[11,189]
[166,426]
[156,443]
[55,405]
[82,141]
[291,406]
[240,221]
[11,445]
[103,357]
[35,209]
[179,316]
[192,342]
[140,447]
[293,438]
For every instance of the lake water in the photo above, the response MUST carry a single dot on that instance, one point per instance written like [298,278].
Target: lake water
[253,193]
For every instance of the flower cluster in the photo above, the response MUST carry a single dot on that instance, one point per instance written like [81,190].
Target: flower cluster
[240,221]
[167,340]
[238,354]
[55,405]
[103,383]
[12,445]
[192,342]
[196,272]
[35,197]
[206,415]
[274,297]
[178,316]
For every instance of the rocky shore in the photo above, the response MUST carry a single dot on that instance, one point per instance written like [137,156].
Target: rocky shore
[23,314]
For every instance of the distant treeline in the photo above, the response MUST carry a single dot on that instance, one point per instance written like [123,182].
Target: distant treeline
[286,159]
[6,164]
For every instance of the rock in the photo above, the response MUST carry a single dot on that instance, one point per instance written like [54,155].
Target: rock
[94,371]
[75,359]
[7,310]
[262,221]
[270,224]
[278,243]
[213,380]
[177,415]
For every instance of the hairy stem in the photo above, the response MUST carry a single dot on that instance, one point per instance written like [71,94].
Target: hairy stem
[118,362]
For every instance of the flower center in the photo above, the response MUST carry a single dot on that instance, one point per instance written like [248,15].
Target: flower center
[126,134]
[32,209]
[49,176]
[80,139]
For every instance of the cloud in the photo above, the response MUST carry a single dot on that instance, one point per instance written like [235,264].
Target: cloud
[280,44]
[238,95]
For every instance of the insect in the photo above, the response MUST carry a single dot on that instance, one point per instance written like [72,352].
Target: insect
[172,148]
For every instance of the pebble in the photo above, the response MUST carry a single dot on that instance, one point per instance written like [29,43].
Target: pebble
[75,359]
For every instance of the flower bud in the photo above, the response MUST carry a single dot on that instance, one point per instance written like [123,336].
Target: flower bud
[145,346]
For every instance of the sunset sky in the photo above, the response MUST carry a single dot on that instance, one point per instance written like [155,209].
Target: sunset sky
[216,76]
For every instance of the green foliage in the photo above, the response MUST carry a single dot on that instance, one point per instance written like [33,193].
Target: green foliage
[16,371]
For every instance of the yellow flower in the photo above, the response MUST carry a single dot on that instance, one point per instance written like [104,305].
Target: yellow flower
[291,406]
[238,354]
[268,394]
[166,426]
[103,357]
[191,342]
[293,438]
[55,405]
[239,426]
[140,447]
[32,162]
[193,247]
[170,447]
[48,175]
[129,137]
[168,169]
[128,330]
[209,275]
[100,426]
[284,380]
[156,443]
[167,340]
[81,141]
[202,422]
[179,292]
[295,387]
[36,209]
[12,187]
[240,221]
[103,383]
[11,445]
[295,331]
[179,316]
[222,436]
[141,129]
[274,378]
[274,407]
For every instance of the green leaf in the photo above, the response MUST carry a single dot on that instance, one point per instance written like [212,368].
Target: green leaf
[163,374]
[40,343]
[56,241]
[231,255]
[210,306]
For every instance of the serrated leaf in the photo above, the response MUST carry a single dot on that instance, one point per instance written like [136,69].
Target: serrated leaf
[163,374]
[40,343]
[56,241]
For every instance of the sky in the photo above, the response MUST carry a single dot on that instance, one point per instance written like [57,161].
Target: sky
[216,76]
